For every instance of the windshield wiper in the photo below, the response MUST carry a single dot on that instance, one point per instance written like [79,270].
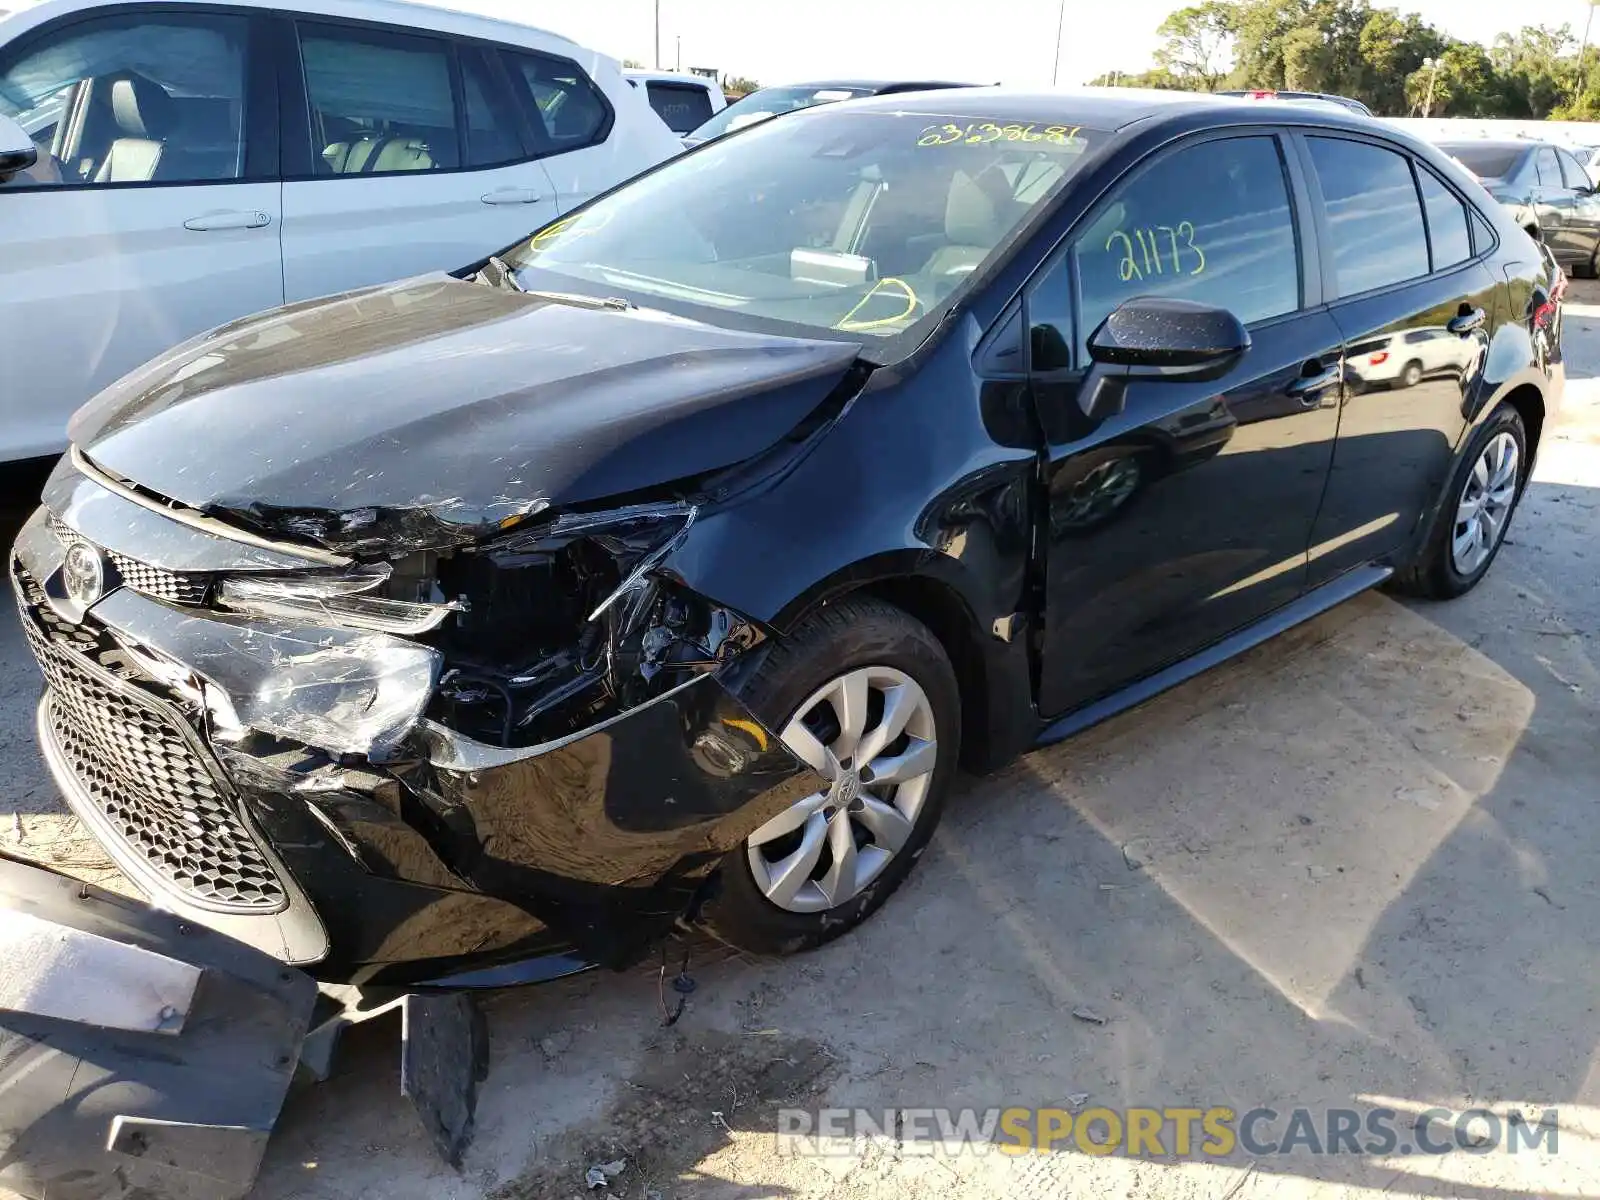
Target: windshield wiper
[498,272]
[615,303]
[502,274]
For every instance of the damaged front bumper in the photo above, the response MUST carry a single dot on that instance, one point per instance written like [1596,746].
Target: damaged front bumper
[286,782]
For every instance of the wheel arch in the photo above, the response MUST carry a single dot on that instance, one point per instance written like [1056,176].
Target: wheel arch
[992,664]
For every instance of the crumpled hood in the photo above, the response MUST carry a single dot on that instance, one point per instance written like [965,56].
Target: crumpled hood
[428,412]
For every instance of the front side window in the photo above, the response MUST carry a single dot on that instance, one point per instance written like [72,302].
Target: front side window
[1448,231]
[1374,217]
[132,99]
[861,223]
[379,102]
[568,108]
[681,105]
[1209,223]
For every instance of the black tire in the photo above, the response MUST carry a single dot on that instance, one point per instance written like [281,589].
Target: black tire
[852,633]
[1433,575]
[1411,375]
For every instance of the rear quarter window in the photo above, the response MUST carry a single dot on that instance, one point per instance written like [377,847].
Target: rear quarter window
[682,106]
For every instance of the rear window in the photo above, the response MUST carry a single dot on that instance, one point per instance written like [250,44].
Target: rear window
[1486,162]
[683,106]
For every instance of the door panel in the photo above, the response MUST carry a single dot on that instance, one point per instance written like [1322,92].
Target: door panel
[1226,478]
[136,229]
[1184,517]
[348,233]
[1408,373]
[1398,431]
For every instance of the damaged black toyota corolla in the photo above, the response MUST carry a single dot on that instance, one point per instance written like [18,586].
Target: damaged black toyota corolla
[471,630]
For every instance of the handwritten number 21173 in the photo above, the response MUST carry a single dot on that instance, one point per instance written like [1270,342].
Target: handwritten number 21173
[1148,251]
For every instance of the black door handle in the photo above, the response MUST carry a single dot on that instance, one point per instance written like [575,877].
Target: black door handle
[1466,322]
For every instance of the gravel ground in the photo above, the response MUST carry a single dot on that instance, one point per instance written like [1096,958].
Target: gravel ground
[1353,867]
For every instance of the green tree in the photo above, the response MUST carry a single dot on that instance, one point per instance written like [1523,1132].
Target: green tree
[1534,71]
[1197,44]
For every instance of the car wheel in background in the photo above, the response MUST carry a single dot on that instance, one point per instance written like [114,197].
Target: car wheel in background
[872,704]
[1412,375]
[1477,509]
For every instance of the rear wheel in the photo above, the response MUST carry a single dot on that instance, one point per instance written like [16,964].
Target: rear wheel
[1412,374]
[873,707]
[1477,510]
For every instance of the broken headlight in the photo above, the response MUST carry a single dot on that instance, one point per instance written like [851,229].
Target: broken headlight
[342,598]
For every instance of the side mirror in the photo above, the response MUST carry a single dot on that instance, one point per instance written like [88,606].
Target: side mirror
[17,151]
[1156,338]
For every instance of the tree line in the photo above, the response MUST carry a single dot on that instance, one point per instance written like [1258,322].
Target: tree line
[1395,63]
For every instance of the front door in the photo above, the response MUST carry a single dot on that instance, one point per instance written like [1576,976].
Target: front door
[140,225]
[1186,516]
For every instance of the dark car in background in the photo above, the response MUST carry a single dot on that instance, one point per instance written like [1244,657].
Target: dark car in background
[663,568]
[770,102]
[1546,191]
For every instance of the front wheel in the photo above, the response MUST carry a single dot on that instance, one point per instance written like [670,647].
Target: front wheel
[1478,506]
[873,707]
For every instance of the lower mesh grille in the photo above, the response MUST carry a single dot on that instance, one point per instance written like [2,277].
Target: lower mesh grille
[146,773]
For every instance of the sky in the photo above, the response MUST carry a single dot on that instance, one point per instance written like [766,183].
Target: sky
[999,41]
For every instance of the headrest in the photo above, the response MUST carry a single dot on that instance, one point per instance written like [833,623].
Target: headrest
[140,107]
[972,212]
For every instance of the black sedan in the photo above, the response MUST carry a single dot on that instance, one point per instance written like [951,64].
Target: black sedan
[468,630]
[1545,191]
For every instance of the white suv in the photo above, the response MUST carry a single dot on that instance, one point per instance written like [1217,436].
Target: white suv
[200,161]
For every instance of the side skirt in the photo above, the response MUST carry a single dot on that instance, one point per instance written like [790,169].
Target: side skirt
[1313,603]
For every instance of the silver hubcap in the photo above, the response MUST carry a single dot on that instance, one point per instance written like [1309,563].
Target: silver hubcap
[870,734]
[1485,505]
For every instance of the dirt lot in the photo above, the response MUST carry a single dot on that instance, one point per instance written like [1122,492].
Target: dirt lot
[1355,867]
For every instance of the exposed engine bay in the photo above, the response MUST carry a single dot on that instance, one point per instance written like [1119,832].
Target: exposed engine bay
[563,623]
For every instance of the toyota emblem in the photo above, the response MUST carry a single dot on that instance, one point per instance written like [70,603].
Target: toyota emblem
[83,574]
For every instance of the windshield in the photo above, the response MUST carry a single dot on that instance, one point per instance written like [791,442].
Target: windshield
[856,222]
[769,102]
[1486,162]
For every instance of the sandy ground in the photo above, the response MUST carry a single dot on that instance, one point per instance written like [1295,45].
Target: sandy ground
[1354,867]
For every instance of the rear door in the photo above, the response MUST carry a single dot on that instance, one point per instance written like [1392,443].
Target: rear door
[1184,517]
[1584,222]
[1407,280]
[1556,204]
[408,155]
[153,211]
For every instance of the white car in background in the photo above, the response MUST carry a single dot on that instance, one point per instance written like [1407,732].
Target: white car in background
[683,101]
[197,162]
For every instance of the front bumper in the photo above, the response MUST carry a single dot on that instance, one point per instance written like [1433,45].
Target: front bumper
[449,863]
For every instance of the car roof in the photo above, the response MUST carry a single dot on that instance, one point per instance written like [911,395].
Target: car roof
[393,12]
[1495,143]
[1108,109]
[704,81]
[869,85]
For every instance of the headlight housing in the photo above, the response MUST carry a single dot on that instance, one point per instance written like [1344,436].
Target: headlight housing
[342,598]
